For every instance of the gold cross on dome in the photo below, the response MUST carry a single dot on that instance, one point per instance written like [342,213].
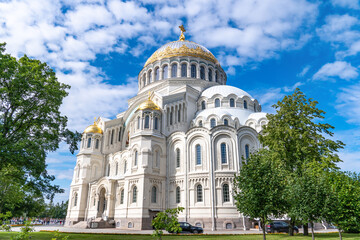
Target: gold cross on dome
[182,36]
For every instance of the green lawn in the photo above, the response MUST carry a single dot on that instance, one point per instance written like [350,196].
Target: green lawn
[48,236]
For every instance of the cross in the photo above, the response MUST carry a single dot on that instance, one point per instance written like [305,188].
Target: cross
[182,28]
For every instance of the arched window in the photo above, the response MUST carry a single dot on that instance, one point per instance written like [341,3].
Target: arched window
[200,123]
[125,166]
[228,226]
[226,122]
[138,123]
[226,195]
[165,72]
[112,137]
[144,78]
[171,118]
[210,75]
[223,153]
[202,72]
[177,195]
[89,143]
[157,74]
[217,102]
[232,102]
[245,104]
[78,171]
[147,121]
[134,194]
[193,71]
[116,168]
[150,76]
[156,123]
[199,194]
[157,158]
[174,70]
[203,106]
[75,199]
[212,122]
[254,107]
[198,154]
[119,137]
[177,157]
[247,152]
[122,196]
[216,76]
[136,158]
[97,143]
[184,70]
[179,114]
[153,194]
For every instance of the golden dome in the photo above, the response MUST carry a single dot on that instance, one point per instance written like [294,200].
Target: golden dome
[181,47]
[148,105]
[93,129]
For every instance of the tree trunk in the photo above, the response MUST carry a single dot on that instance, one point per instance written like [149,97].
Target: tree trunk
[340,233]
[306,229]
[262,222]
[291,227]
[312,231]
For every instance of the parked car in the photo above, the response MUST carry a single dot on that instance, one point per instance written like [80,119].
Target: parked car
[187,227]
[279,226]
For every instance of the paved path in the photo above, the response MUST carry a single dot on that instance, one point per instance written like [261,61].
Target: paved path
[118,231]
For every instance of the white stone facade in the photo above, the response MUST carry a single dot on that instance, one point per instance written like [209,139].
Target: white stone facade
[183,154]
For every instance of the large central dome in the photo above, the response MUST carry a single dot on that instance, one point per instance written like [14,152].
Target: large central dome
[181,48]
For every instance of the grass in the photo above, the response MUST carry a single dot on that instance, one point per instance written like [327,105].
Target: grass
[73,236]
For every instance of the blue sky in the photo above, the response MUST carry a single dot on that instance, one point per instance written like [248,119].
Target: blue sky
[266,47]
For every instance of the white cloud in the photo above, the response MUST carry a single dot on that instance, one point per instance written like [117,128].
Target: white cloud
[342,32]
[348,104]
[339,69]
[304,71]
[354,4]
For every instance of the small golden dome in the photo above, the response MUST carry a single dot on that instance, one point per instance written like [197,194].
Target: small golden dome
[93,129]
[148,105]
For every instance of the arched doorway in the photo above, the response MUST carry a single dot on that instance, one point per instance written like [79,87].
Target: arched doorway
[101,203]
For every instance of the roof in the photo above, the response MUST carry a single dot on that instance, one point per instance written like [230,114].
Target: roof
[241,114]
[225,91]
[181,48]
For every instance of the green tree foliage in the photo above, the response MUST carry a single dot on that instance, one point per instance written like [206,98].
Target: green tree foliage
[24,233]
[298,136]
[167,220]
[342,207]
[259,188]
[308,193]
[57,210]
[296,133]
[30,126]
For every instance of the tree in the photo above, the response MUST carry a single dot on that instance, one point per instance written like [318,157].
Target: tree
[259,188]
[342,207]
[298,137]
[31,125]
[308,193]
[167,220]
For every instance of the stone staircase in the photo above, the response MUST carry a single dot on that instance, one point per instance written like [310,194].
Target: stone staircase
[101,223]
[81,224]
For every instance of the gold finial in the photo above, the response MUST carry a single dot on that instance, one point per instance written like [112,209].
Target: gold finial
[149,97]
[94,120]
[182,36]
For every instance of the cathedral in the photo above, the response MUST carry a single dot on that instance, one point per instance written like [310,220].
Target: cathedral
[180,142]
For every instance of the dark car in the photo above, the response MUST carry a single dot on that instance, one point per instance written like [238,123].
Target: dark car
[279,226]
[187,227]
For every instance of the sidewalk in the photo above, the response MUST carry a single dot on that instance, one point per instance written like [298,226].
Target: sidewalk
[119,231]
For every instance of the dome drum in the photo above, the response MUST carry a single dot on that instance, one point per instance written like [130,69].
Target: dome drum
[181,68]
